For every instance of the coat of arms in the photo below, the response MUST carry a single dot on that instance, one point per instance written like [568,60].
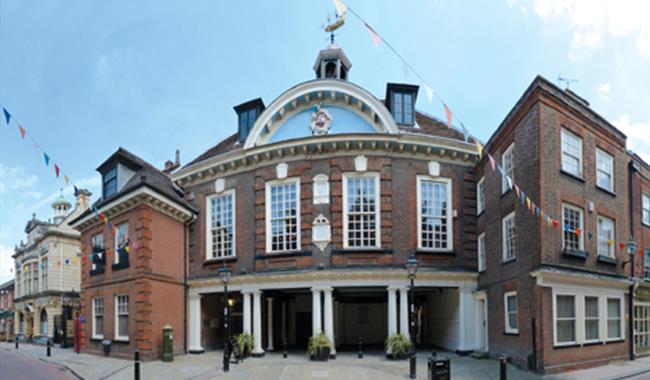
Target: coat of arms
[321,121]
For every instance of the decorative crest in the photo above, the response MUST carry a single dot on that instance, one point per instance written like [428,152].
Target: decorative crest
[321,121]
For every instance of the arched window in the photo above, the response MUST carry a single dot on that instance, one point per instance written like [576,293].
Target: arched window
[21,323]
[43,322]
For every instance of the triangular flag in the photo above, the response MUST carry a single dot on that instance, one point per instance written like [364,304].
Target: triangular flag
[47,159]
[492,162]
[428,91]
[126,249]
[532,206]
[76,191]
[375,37]
[22,132]
[555,223]
[7,115]
[523,197]
[56,170]
[610,242]
[566,227]
[622,245]
[449,115]
[340,7]
[465,132]
[590,235]
[517,189]
[578,231]
[66,179]
[479,148]
[537,210]
[528,202]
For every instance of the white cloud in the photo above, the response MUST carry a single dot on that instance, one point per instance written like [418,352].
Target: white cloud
[638,136]
[593,20]
[603,90]
[90,183]
[6,264]
[15,178]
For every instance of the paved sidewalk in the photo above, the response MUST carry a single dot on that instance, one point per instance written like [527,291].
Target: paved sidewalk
[297,366]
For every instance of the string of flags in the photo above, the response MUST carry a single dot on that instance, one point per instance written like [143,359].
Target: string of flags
[545,217]
[59,173]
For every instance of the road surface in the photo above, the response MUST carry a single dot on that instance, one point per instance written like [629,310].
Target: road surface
[16,366]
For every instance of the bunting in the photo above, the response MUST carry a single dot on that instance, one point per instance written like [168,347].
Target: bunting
[56,170]
[22,132]
[375,37]
[429,92]
[479,149]
[449,115]
[7,115]
[47,159]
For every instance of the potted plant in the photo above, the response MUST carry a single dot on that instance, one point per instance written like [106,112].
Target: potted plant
[319,347]
[245,343]
[398,347]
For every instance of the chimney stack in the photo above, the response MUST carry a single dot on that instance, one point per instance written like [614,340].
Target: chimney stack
[171,166]
[83,198]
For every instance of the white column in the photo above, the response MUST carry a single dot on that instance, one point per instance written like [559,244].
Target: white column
[315,312]
[257,324]
[329,318]
[194,317]
[392,311]
[247,311]
[269,325]
[404,313]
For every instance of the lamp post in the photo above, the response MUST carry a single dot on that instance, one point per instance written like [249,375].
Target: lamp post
[631,248]
[411,268]
[224,272]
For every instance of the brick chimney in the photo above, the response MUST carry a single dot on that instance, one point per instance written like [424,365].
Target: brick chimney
[171,166]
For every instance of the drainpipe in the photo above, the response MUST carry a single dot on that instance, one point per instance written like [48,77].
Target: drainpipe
[632,169]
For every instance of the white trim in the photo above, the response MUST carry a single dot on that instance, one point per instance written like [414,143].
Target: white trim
[116,240]
[565,132]
[583,299]
[118,337]
[344,195]
[611,251]
[606,156]
[506,314]
[208,227]
[480,197]
[480,246]
[581,237]
[621,318]
[577,327]
[503,237]
[449,219]
[94,326]
[645,211]
[267,206]
[509,152]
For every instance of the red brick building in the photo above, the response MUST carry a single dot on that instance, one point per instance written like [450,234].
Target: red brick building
[133,269]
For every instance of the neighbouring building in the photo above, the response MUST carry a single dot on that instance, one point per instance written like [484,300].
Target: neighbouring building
[315,205]
[133,266]
[47,279]
[640,218]
[7,310]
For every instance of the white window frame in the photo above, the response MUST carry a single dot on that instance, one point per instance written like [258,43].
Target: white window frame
[116,240]
[621,319]
[269,229]
[504,246]
[209,254]
[324,196]
[581,237]
[601,155]
[481,252]
[94,315]
[565,133]
[506,313]
[599,317]
[645,208]
[646,264]
[449,219]
[576,312]
[480,196]
[375,176]
[611,249]
[118,337]
[508,165]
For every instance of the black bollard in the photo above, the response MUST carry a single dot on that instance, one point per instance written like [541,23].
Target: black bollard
[226,357]
[284,345]
[502,367]
[136,365]
[360,354]
[16,342]
[49,348]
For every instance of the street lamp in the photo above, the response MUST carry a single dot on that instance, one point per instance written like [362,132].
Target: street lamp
[411,268]
[224,273]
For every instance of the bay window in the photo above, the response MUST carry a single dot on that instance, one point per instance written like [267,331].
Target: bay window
[361,210]
[592,321]
[434,214]
[565,319]
[614,320]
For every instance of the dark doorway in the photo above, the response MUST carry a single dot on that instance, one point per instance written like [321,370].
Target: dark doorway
[303,329]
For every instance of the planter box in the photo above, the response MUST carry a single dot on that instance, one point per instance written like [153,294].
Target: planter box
[323,356]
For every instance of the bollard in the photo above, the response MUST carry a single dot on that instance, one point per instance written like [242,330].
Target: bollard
[16,342]
[136,365]
[49,348]
[360,354]
[226,357]
[502,367]
[284,344]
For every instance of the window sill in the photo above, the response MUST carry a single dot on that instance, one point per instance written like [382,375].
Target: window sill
[119,266]
[591,343]
[575,254]
[478,215]
[97,339]
[272,255]
[511,333]
[221,260]
[606,191]
[606,260]
[352,251]
[435,253]
[121,340]
[96,272]
[645,224]
[566,345]
[508,261]
[571,175]
[614,340]
[504,193]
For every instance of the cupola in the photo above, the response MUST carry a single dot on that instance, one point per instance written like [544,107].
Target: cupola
[332,63]
[61,208]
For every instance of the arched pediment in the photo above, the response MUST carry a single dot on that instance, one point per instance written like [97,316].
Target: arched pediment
[351,108]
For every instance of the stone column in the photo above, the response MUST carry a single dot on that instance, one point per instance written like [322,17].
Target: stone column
[404,313]
[315,312]
[257,324]
[329,318]
[269,325]
[392,311]
[194,327]
[247,311]
[36,330]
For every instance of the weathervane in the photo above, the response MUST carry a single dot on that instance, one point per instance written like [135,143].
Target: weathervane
[332,26]
[566,81]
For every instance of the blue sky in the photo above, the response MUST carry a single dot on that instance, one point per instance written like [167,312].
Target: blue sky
[84,77]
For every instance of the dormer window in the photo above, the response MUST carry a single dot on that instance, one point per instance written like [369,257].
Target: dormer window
[400,99]
[248,113]
[110,182]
